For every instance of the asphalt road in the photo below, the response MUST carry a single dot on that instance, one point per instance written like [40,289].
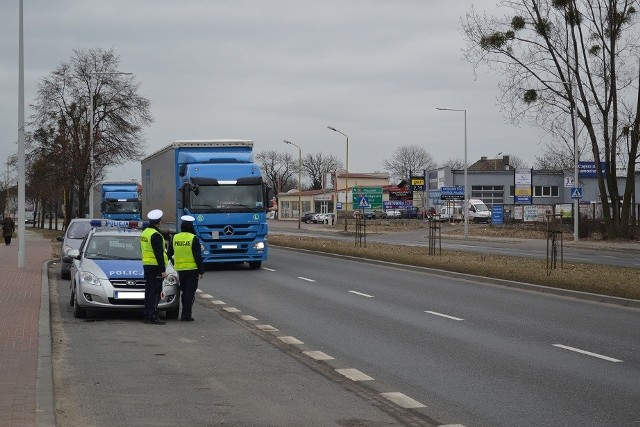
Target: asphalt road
[471,353]
[111,369]
[623,255]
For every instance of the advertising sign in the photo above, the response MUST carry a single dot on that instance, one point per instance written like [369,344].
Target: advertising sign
[496,214]
[589,169]
[452,193]
[417,183]
[522,187]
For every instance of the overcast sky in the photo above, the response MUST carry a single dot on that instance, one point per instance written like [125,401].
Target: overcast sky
[274,70]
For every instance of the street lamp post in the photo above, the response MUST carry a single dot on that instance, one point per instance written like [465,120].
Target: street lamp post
[466,186]
[91,159]
[299,180]
[346,179]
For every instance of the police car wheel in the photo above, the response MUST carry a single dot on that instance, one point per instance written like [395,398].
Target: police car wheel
[78,312]
[73,297]
[254,265]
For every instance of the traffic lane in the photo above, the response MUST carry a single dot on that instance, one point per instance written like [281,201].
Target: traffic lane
[525,247]
[366,326]
[193,373]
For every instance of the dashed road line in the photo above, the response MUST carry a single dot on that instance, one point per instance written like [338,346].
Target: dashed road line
[218,302]
[290,340]
[444,315]
[268,269]
[354,374]
[588,353]
[361,294]
[304,278]
[231,310]
[267,328]
[206,296]
[402,400]
[248,318]
[318,355]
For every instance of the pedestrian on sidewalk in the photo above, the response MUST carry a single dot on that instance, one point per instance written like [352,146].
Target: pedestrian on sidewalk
[187,260]
[154,261]
[8,227]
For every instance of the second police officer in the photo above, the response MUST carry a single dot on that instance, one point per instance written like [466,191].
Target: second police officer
[154,261]
[187,260]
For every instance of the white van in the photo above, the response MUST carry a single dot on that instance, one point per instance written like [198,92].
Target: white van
[478,211]
[451,213]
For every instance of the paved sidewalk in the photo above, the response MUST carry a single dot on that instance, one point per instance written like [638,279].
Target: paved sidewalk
[21,290]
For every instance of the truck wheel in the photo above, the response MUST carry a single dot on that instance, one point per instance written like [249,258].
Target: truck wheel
[254,265]
[172,314]
[78,312]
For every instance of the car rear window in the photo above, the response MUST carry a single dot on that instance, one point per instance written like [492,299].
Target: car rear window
[78,230]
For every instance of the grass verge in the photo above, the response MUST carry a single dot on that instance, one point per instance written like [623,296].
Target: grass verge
[599,279]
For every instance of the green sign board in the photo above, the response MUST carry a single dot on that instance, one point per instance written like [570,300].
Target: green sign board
[367,197]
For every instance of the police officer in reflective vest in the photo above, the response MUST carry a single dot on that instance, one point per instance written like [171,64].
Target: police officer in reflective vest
[154,260]
[187,260]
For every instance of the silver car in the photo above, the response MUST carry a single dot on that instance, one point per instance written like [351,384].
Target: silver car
[76,231]
[107,274]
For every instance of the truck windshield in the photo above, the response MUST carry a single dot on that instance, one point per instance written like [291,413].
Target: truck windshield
[118,206]
[231,198]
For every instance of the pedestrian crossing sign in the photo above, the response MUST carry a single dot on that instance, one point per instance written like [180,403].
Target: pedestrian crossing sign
[364,202]
[576,193]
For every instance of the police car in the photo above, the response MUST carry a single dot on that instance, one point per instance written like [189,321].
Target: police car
[107,272]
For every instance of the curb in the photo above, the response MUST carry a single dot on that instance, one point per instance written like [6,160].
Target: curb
[45,413]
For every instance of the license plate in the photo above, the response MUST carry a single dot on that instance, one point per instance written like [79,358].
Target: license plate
[229,247]
[128,295]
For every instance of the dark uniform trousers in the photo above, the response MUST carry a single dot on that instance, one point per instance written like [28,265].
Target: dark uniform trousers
[188,286]
[152,291]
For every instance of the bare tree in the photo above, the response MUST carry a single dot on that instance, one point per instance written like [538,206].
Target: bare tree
[455,164]
[317,166]
[61,119]
[407,159]
[517,162]
[570,58]
[279,170]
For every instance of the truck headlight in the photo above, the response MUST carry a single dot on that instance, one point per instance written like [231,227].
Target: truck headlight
[258,245]
[87,278]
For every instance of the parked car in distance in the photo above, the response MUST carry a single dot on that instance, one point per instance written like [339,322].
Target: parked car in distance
[76,231]
[323,218]
[393,213]
[307,217]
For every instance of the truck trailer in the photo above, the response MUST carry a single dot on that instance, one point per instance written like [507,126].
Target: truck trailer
[219,184]
[118,200]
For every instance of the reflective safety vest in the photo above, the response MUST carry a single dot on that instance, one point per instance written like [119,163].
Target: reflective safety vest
[182,253]
[148,257]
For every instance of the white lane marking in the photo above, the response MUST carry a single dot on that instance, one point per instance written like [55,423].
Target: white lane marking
[199,291]
[267,328]
[443,315]
[290,340]
[268,269]
[402,400]
[354,374]
[588,353]
[361,294]
[231,310]
[185,340]
[218,302]
[304,278]
[207,296]
[248,317]
[318,355]
[451,425]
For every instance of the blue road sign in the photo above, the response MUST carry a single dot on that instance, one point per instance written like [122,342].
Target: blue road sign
[576,193]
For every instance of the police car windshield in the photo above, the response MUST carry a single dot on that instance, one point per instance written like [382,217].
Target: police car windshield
[113,247]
